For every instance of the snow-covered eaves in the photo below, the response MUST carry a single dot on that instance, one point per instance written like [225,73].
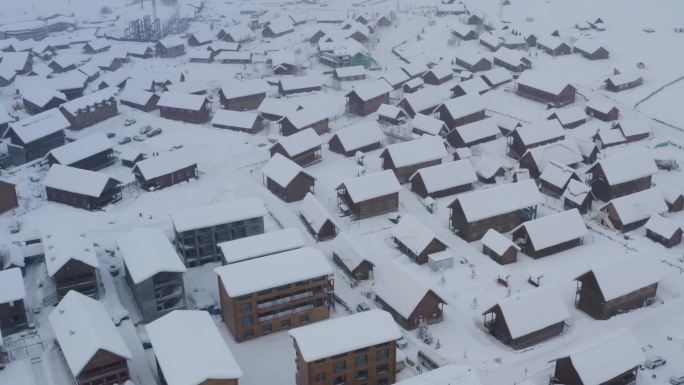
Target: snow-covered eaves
[147,251]
[259,245]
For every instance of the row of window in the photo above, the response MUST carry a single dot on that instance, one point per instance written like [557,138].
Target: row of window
[284,287]
[358,376]
[268,328]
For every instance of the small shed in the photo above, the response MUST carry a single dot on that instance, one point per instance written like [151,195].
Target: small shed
[577,195]
[286,179]
[416,240]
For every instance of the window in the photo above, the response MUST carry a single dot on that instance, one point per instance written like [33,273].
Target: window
[340,380]
[249,333]
[266,328]
[382,354]
[285,324]
[382,369]
[362,374]
[340,366]
[361,359]
[246,320]
[303,318]
[383,381]
[320,376]
[245,307]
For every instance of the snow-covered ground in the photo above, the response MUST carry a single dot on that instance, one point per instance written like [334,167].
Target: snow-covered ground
[229,164]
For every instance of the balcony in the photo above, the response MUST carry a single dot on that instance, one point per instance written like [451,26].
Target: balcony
[286,300]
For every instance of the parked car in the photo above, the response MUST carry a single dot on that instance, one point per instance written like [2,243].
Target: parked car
[145,129]
[129,122]
[654,361]
[111,135]
[677,379]
[402,342]
[154,132]
[362,307]
[139,138]
[125,139]
[14,226]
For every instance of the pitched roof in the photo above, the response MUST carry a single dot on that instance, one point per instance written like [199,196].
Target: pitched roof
[82,327]
[428,124]
[638,206]
[555,229]
[147,251]
[132,95]
[11,286]
[76,180]
[402,298]
[552,83]
[481,129]
[497,200]
[348,251]
[306,117]
[540,132]
[282,170]
[370,90]
[300,142]
[417,151]
[451,374]
[235,89]
[413,234]
[533,310]
[40,125]
[345,334]
[372,185]
[65,245]
[627,167]
[191,355]
[314,213]
[165,163]
[241,119]
[273,270]
[181,100]
[446,175]
[80,149]
[217,214]
[360,135]
[662,226]
[497,242]
[242,249]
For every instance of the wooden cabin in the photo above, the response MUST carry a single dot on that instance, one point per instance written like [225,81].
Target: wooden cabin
[13,317]
[184,107]
[249,122]
[577,195]
[93,152]
[499,248]
[501,208]
[472,61]
[555,178]
[33,137]
[71,261]
[462,110]
[303,148]
[90,109]
[391,114]
[369,195]
[350,73]
[170,47]
[531,136]
[79,188]
[590,49]
[528,318]
[416,240]
[621,175]
[570,117]
[300,120]
[439,74]
[673,197]
[164,170]
[443,179]
[602,109]
[545,88]
[553,45]
[142,100]
[253,307]
[243,96]
[512,60]
[316,219]
[277,27]
[663,231]
[361,137]
[366,98]
[622,215]
[286,179]
[96,46]
[405,158]
[348,256]
[299,84]
[408,303]
[37,100]
[617,287]
[91,345]
[551,234]
[424,101]
[621,82]
[472,134]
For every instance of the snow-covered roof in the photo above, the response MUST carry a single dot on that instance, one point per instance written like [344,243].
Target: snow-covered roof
[273,270]
[15,60]
[345,334]
[233,55]
[550,82]
[19,372]
[314,213]
[662,226]
[624,78]
[638,206]
[497,242]
[498,200]
[300,82]
[218,46]
[360,135]
[626,275]
[89,100]
[348,251]
[441,71]
[370,90]
[235,89]
[486,167]
[239,32]
[80,149]
[201,53]
[417,151]
[40,125]
[114,79]
[588,45]
[68,81]
[555,229]
[282,170]
[633,127]
[491,39]
[478,130]
[550,41]
[98,44]
[414,83]
[282,57]
[259,245]
[469,56]
[415,69]
[601,104]
[304,118]
[372,185]
[390,111]
[609,136]
[40,96]
[474,86]
[496,76]
[240,119]
[182,101]
[280,25]
[82,327]
[395,77]
[218,214]
[403,298]
[413,234]
[428,124]
[134,96]
[604,358]
[569,115]
[191,355]
[533,310]
[427,98]
[576,191]
[627,167]
[76,180]
[165,163]
[301,141]
[670,193]
[11,285]
[65,245]
[509,56]
[146,251]
[171,42]
[540,132]
[450,374]
[279,107]
[557,174]
[459,28]
[204,36]
[446,175]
